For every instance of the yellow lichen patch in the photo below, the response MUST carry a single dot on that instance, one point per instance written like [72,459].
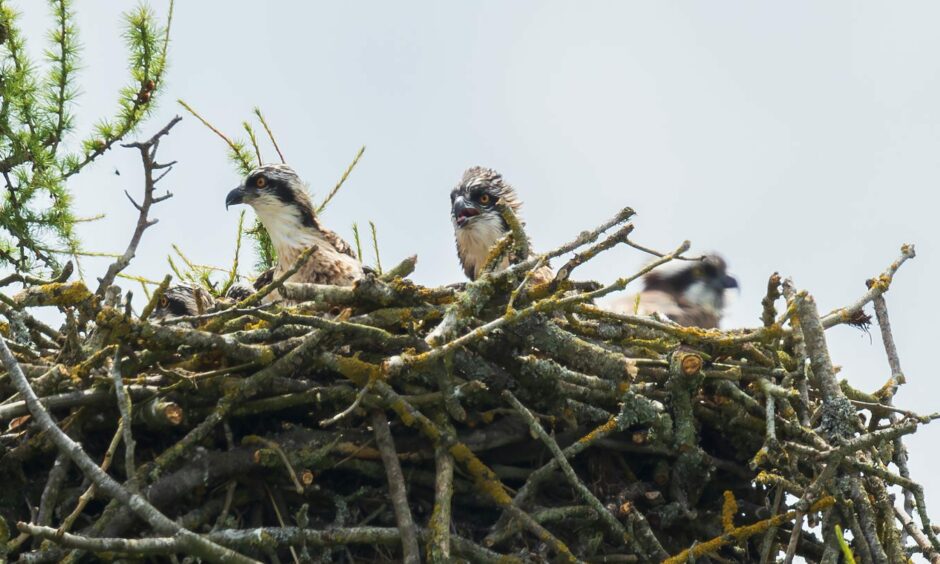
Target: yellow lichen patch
[544,289]
[80,371]
[608,427]
[881,284]
[741,534]
[484,478]
[266,357]
[359,372]
[259,324]
[775,331]
[886,391]
[115,321]
[55,294]
[400,407]
[697,332]
[728,510]
[759,458]
[438,526]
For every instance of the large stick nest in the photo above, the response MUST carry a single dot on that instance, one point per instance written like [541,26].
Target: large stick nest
[496,421]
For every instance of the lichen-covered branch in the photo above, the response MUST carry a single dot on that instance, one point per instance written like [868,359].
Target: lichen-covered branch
[201,547]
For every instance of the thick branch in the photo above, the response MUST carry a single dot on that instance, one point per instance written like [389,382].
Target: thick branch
[189,540]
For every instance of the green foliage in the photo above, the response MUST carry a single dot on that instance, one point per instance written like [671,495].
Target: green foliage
[36,116]
[375,247]
[233,272]
[844,546]
[342,180]
[199,275]
[355,228]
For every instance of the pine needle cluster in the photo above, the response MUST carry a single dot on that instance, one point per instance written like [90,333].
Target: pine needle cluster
[37,222]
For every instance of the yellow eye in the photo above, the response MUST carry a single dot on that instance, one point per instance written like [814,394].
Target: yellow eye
[484,199]
[164,302]
[261,182]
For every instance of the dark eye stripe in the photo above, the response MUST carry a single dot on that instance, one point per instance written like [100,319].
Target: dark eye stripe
[282,192]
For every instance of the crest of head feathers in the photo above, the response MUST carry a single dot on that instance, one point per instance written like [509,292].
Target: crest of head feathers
[478,223]
[485,187]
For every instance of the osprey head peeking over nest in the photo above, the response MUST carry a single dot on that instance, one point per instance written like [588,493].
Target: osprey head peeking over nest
[183,300]
[478,225]
[281,201]
[691,293]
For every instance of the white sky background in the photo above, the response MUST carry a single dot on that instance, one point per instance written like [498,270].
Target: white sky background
[800,137]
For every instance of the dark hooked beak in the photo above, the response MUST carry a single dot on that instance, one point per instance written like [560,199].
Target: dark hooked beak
[728,282]
[236,196]
[463,211]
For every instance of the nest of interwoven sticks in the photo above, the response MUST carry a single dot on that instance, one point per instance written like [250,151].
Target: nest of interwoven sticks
[495,421]
[505,419]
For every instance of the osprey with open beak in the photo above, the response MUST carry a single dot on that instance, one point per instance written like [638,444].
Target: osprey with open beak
[281,201]
[478,225]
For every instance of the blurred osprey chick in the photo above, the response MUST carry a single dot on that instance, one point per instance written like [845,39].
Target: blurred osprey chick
[281,201]
[689,293]
[478,225]
[185,301]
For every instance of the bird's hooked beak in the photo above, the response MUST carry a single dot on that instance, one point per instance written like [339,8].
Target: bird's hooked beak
[236,196]
[728,282]
[463,211]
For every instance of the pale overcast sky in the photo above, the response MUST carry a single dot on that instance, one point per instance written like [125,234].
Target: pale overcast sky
[798,136]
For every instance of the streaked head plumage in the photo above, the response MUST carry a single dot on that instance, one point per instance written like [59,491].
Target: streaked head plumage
[182,301]
[275,190]
[476,195]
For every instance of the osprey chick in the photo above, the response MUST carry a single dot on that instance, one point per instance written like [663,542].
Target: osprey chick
[690,293]
[184,301]
[281,201]
[478,225]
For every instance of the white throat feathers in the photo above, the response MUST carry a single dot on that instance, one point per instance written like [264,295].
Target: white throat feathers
[476,239]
